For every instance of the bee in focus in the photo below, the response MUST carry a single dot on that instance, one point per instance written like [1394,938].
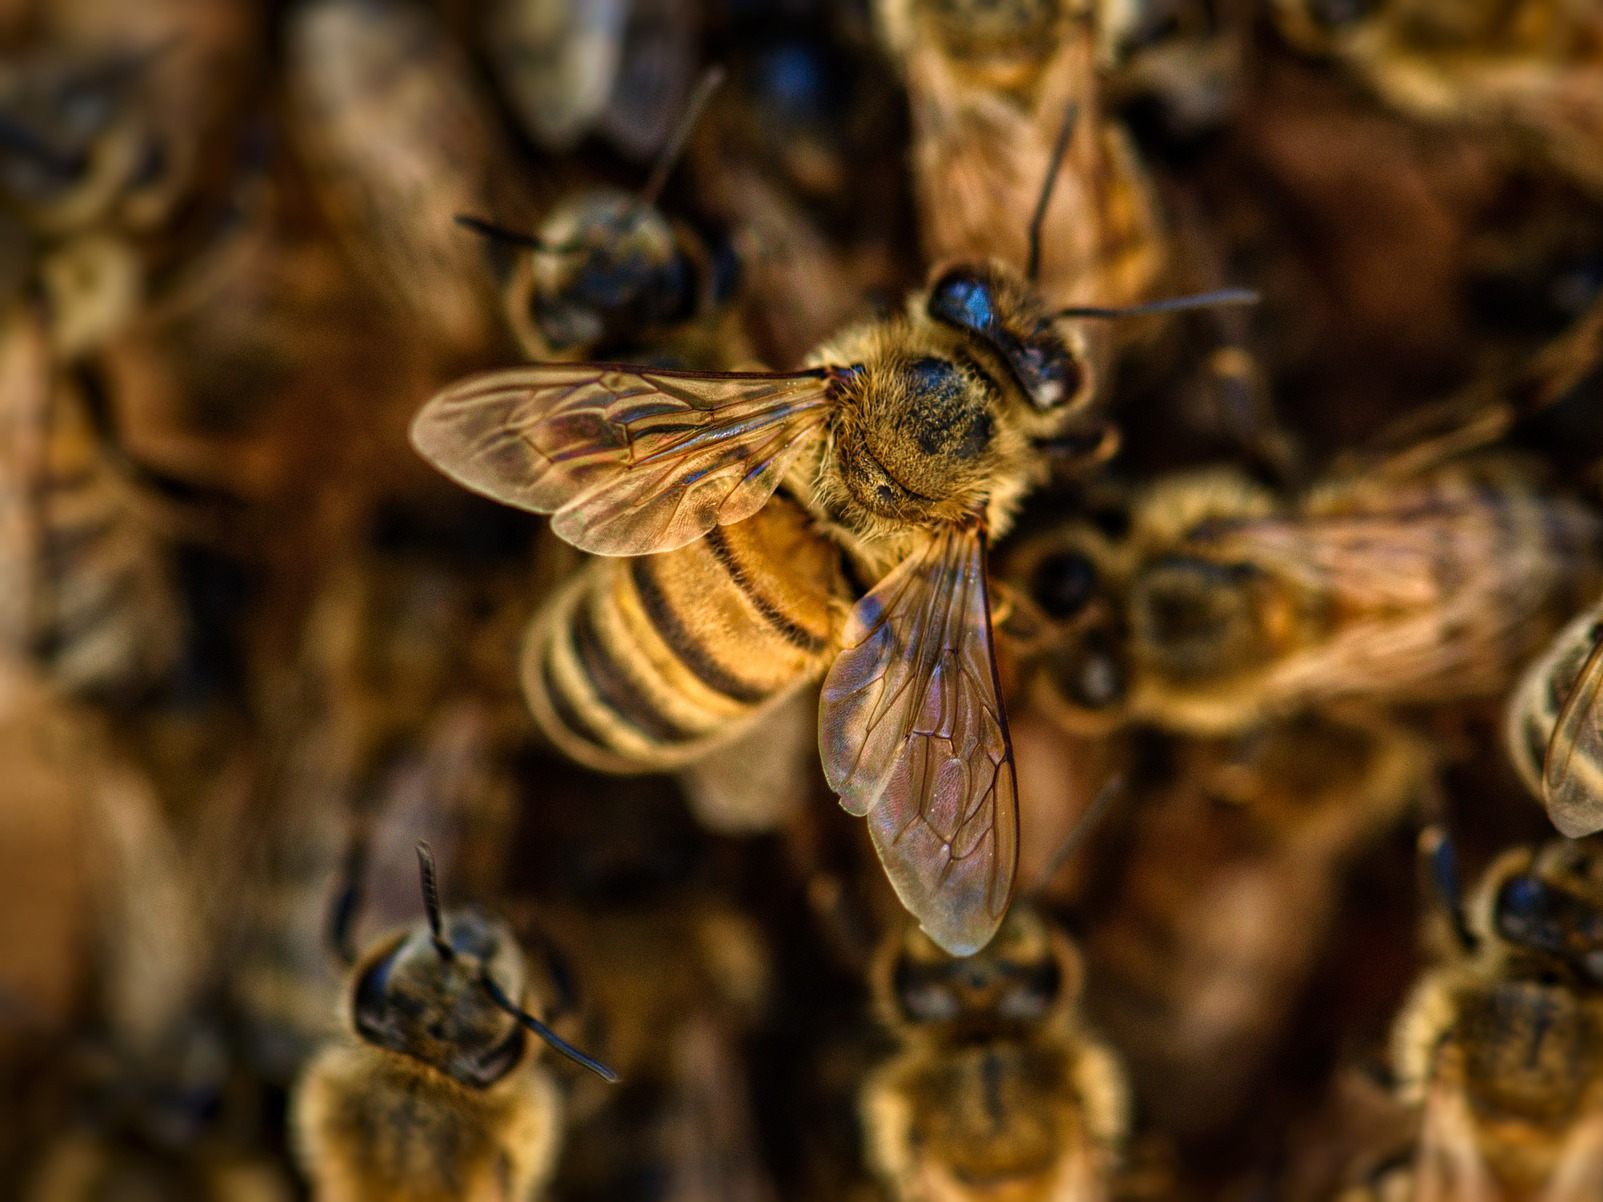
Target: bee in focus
[608,271]
[90,597]
[996,1091]
[909,441]
[1529,73]
[386,114]
[1499,1045]
[435,1092]
[1215,603]
[649,663]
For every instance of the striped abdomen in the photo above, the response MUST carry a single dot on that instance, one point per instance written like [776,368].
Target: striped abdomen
[644,663]
[87,588]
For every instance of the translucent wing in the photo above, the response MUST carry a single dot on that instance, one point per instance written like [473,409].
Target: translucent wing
[627,460]
[1572,773]
[913,735]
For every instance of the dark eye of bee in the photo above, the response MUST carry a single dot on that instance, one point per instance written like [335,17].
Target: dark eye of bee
[1038,361]
[1532,914]
[962,300]
[371,1002]
[1063,583]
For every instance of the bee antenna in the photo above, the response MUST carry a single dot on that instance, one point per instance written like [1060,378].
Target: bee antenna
[1090,818]
[709,82]
[1439,858]
[431,900]
[1223,298]
[583,1059]
[1060,148]
[501,233]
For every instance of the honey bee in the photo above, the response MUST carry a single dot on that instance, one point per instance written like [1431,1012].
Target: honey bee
[996,1090]
[999,92]
[909,441]
[1552,726]
[1528,72]
[1222,604]
[608,271]
[120,147]
[397,140]
[1498,1045]
[90,597]
[74,138]
[435,1093]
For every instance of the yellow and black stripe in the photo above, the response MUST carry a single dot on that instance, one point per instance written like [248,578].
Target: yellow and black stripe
[641,664]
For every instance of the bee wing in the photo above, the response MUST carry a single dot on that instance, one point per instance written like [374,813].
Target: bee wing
[627,460]
[913,735]
[1572,772]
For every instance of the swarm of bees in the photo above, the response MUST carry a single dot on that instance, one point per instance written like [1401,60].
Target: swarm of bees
[967,600]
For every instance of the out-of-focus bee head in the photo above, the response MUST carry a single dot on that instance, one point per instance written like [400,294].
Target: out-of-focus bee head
[1028,974]
[1547,904]
[74,138]
[610,269]
[1067,575]
[411,996]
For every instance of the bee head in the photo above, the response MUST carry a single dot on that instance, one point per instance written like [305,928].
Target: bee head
[73,138]
[1027,973]
[413,998]
[606,267]
[999,312]
[446,992]
[1550,904]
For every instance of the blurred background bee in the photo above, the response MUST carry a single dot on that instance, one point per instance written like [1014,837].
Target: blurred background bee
[1495,1045]
[1526,74]
[996,1090]
[435,1093]
[1219,605]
